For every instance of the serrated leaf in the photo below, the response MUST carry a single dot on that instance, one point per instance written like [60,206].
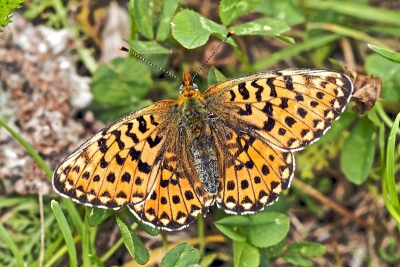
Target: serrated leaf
[358,152]
[182,255]
[229,10]
[262,229]
[132,242]
[192,30]
[147,47]
[264,26]
[244,254]
[168,10]
[143,15]
[96,216]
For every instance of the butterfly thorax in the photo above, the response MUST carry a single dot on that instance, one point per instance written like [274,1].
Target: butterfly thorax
[197,130]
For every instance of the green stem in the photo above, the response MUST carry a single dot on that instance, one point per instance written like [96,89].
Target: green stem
[385,118]
[200,227]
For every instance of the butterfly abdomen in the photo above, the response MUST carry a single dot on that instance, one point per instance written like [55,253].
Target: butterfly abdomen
[201,143]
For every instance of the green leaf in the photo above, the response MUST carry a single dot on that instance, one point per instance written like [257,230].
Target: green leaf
[229,10]
[338,126]
[115,85]
[215,76]
[62,222]
[285,10]
[145,227]
[132,242]
[208,259]
[143,15]
[192,30]
[264,26]
[275,250]
[147,47]
[297,260]
[392,56]
[285,39]
[262,229]
[230,232]
[182,255]
[389,72]
[306,249]
[358,152]
[168,10]
[6,9]
[96,216]
[245,254]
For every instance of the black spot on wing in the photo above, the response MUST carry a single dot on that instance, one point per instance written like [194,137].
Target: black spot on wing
[243,91]
[270,83]
[288,82]
[260,89]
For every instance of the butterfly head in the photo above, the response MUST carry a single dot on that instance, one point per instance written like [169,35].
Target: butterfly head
[188,89]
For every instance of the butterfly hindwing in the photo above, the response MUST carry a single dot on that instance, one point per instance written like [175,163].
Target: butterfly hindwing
[178,196]
[255,173]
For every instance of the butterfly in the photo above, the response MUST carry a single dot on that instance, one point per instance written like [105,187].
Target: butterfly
[231,145]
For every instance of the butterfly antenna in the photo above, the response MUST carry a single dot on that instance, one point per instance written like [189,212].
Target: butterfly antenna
[230,33]
[122,48]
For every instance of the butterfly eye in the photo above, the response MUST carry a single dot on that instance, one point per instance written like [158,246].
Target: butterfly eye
[212,116]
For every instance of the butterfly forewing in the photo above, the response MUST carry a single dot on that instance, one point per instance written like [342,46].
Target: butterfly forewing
[119,164]
[287,108]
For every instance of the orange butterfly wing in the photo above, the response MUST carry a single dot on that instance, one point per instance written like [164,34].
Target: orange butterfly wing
[119,164]
[266,116]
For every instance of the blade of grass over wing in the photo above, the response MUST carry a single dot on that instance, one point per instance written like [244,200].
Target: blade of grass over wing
[62,221]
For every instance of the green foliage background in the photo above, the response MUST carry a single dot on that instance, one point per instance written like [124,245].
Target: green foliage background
[308,33]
